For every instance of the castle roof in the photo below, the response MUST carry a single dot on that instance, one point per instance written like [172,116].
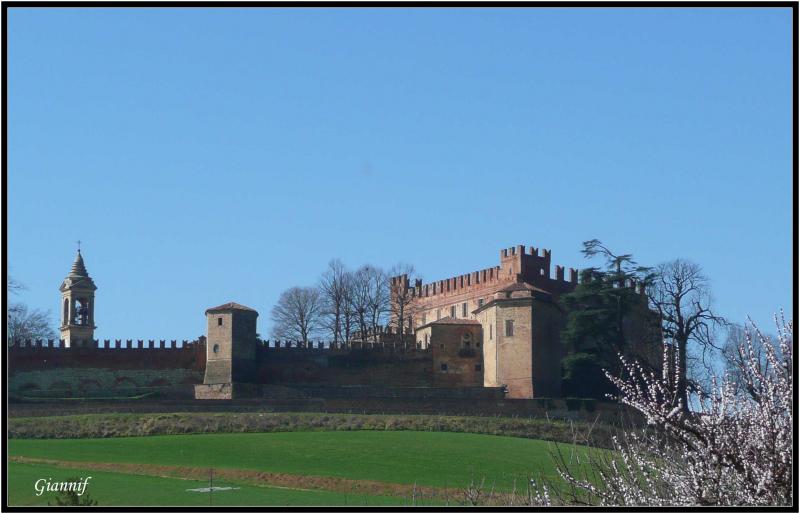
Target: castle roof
[507,295]
[451,321]
[230,306]
[521,286]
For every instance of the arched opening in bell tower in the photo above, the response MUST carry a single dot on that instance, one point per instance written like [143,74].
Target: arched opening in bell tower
[80,311]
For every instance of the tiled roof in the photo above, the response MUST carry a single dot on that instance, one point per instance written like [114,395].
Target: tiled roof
[230,306]
[521,286]
[454,321]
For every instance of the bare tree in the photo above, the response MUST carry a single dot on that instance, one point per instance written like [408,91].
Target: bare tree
[23,323]
[359,299]
[298,314]
[401,297]
[734,360]
[333,288]
[681,295]
[378,300]
[349,315]
[14,286]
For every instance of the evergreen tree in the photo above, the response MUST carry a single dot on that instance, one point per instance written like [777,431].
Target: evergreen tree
[597,311]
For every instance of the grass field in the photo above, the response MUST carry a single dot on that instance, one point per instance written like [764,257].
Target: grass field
[314,468]
[119,489]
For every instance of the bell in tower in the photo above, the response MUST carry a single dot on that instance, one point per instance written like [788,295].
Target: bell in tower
[77,305]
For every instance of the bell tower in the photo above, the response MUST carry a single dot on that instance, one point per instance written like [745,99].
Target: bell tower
[77,305]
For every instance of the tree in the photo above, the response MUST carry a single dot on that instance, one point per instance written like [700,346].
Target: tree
[401,297]
[599,314]
[23,323]
[733,449]
[359,298]
[681,295]
[378,297]
[733,360]
[298,314]
[333,288]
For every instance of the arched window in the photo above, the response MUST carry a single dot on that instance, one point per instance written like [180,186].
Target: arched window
[65,317]
[466,340]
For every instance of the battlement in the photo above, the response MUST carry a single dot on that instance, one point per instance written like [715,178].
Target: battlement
[342,346]
[516,264]
[519,250]
[107,344]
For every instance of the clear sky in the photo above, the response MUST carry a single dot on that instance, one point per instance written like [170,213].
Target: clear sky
[214,155]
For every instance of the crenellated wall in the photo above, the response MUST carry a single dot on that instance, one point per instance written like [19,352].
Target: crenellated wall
[462,294]
[116,368]
[104,369]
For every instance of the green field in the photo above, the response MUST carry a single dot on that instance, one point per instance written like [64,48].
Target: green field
[434,459]
[123,489]
[312,468]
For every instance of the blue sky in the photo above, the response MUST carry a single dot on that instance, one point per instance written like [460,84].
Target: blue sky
[214,155]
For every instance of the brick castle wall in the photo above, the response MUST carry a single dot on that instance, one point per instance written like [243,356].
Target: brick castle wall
[94,370]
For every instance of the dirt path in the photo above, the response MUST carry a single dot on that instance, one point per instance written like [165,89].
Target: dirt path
[263,478]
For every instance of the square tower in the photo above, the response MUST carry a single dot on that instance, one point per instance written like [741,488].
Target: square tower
[231,346]
[230,350]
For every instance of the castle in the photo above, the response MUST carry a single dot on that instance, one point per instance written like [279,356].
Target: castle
[493,333]
[509,314]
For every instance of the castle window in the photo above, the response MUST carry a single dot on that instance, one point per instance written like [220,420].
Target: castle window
[477,367]
[464,309]
[426,339]
[219,322]
[441,346]
[490,331]
[509,327]
[478,344]
[466,340]
[480,302]
[452,311]
[443,366]
[216,348]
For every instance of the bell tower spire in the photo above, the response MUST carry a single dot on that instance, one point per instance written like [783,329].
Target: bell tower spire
[77,305]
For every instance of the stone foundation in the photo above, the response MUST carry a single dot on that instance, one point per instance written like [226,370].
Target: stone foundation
[213,391]
[226,391]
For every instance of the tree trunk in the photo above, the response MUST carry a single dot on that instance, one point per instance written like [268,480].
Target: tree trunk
[681,389]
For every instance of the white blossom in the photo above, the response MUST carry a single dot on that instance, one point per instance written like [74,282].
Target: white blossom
[731,448]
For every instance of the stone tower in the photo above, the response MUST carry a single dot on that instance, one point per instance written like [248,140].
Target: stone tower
[230,352]
[77,305]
